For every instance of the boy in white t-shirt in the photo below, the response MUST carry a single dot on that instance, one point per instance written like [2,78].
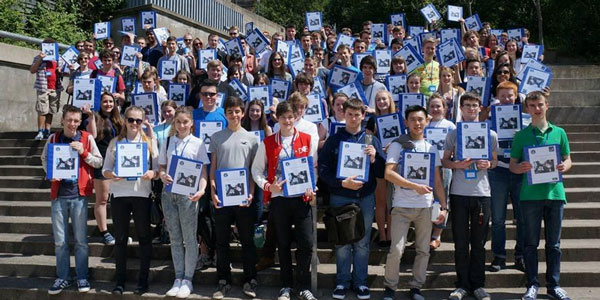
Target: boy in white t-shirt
[412,202]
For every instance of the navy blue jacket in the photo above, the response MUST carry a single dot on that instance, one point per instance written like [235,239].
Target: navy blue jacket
[328,163]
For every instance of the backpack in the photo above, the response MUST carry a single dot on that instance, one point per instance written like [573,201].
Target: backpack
[344,224]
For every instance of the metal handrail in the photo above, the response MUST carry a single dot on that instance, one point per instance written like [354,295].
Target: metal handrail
[28,39]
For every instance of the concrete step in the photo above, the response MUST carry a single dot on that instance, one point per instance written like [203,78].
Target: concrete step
[572,250]
[571,229]
[585,168]
[574,128]
[585,146]
[22,143]
[575,71]
[559,84]
[18,135]
[24,182]
[37,288]
[20,160]
[572,114]
[575,98]
[12,170]
[585,180]
[584,136]
[21,151]
[574,274]
[585,156]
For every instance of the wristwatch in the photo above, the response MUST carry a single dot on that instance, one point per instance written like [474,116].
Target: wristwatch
[443,208]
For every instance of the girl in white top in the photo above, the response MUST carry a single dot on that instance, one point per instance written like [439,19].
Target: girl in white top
[181,211]
[336,117]
[437,109]
[132,197]
[451,94]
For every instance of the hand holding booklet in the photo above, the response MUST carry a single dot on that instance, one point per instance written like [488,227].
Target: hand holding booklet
[62,163]
[232,187]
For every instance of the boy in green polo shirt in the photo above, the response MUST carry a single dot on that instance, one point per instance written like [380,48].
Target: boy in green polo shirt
[541,201]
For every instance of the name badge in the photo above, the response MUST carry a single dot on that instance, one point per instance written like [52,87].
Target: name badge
[48,73]
[507,153]
[432,88]
[131,178]
[470,174]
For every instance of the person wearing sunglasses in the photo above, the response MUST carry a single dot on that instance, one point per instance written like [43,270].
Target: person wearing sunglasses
[209,111]
[214,71]
[131,197]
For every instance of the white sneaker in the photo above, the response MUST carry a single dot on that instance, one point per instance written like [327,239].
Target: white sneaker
[129,241]
[40,135]
[175,289]
[186,289]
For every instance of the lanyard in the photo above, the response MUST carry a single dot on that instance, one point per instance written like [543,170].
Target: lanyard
[139,140]
[182,150]
[287,154]
[360,137]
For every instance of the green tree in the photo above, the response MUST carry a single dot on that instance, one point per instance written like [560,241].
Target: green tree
[286,12]
[56,22]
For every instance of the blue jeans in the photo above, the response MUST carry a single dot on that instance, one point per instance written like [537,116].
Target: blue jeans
[181,216]
[356,253]
[551,211]
[503,183]
[62,210]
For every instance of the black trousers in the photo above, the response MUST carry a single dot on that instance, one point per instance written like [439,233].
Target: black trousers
[468,229]
[244,219]
[122,208]
[287,212]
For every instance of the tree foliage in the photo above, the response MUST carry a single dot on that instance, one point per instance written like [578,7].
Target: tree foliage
[56,22]
[286,12]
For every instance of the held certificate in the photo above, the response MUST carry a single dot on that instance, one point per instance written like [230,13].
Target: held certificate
[131,159]
[70,56]
[87,91]
[102,30]
[354,90]
[167,69]
[455,13]
[148,19]
[179,93]
[280,89]
[314,111]
[51,51]
[149,103]
[261,93]
[109,84]
[396,84]
[534,80]
[63,162]
[128,58]
[186,175]
[128,25]
[437,138]
[418,167]
[506,120]
[205,56]
[314,20]
[544,161]
[259,134]
[341,76]
[299,173]
[473,140]
[388,128]
[353,161]
[232,187]
[205,130]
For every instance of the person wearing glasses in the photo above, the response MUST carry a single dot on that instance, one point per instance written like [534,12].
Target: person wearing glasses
[214,74]
[277,68]
[234,32]
[82,72]
[132,198]
[153,51]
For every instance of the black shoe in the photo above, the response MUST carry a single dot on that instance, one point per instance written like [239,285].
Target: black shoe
[497,265]
[140,290]
[520,264]
[415,294]
[118,290]
[388,294]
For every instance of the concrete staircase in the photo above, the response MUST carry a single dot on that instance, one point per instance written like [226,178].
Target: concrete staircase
[27,263]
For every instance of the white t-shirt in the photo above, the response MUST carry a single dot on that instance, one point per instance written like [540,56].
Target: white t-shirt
[190,147]
[409,198]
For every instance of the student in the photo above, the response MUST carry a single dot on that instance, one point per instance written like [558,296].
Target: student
[429,71]
[245,78]
[300,103]
[152,52]
[103,126]
[541,201]
[276,68]
[470,205]
[180,210]
[255,118]
[371,87]
[289,142]
[167,113]
[131,197]
[214,72]
[336,117]
[473,68]
[209,110]
[413,83]
[48,86]
[213,43]
[82,72]
[502,183]
[231,148]
[107,58]
[290,32]
[384,104]
[171,54]
[411,202]
[350,190]
[397,66]
[69,201]
[150,85]
[344,57]
[437,108]
[451,92]
[305,44]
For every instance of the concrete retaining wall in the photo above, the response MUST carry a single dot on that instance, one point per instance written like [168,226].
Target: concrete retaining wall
[17,96]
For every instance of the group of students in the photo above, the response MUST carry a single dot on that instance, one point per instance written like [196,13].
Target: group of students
[474,190]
